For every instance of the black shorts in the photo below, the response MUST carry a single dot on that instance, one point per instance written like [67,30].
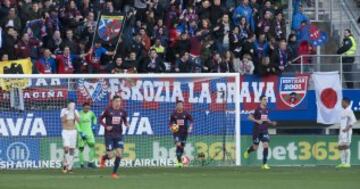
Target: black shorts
[113,143]
[263,137]
[180,138]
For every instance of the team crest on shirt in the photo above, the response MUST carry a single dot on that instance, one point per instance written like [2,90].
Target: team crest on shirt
[95,91]
[293,90]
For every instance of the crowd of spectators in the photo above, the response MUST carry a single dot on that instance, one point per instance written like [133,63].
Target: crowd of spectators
[218,36]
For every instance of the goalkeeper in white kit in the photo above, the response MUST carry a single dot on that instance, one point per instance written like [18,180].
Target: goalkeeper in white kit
[348,120]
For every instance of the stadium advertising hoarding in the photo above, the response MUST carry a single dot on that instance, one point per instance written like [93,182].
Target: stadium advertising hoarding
[303,150]
[149,103]
[284,103]
[202,150]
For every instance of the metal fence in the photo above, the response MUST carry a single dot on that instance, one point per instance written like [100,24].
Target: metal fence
[326,63]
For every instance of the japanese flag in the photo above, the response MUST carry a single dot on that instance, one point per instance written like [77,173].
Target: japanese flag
[328,97]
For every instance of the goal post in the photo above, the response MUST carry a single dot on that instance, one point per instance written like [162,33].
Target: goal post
[31,135]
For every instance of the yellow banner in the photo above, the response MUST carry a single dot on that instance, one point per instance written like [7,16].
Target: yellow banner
[112,17]
[21,66]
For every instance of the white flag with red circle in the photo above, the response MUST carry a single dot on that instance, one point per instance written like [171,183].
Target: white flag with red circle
[328,91]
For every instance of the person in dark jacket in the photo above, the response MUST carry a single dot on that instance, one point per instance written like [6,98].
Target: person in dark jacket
[218,65]
[249,46]
[280,57]
[153,64]
[184,64]
[182,45]
[117,66]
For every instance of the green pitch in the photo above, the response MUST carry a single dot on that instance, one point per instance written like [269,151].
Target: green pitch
[186,178]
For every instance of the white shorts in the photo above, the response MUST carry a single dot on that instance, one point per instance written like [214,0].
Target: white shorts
[69,138]
[345,138]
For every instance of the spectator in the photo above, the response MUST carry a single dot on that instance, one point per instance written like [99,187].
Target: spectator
[184,64]
[244,29]
[292,47]
[305,49]
[34,13]
[235,42]
[145,39]
[117,66]
[71,16]
[189,15]
[228,60]
[70,41]
[11,20]
[95,59]
[265,23]
[158,9]
[87,29]
[272,46]
[205,10]
[261,48]
[222,31]
[246,66]
[137,46]
[131,63]
[298,17]
[280,57]
[202,28]
[216,12]
[161,32]
[66,61]
[27,47]
[86,7]
[160,50]
[153,64]
[244,10]
[348,50]
[109,8]
[5,6]
[205,56]
[218,65]
[266,67]
[182,45]
[278,27]
[55,43]
[10,42]
[46,64]
[249,46]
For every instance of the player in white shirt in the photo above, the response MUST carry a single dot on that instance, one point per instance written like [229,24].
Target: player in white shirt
[69,116]
[348,119]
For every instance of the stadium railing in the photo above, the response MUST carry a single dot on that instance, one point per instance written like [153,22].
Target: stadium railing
[323,63]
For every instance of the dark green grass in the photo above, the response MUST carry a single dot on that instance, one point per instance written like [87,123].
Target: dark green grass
[186,178]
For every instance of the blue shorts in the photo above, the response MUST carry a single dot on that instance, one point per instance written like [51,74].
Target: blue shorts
[180,138]
[263,137]
[113,143]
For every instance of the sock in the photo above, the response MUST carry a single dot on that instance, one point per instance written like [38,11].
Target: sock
[92,154]
[265,155]
[348,156]
[182,150]
[81,156]
[178,153]
[250,149]
[105,157]
[116,164]
[71,161]
[66,161]
[342,156]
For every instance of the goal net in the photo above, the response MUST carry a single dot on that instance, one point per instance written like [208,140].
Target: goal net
[30,126]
